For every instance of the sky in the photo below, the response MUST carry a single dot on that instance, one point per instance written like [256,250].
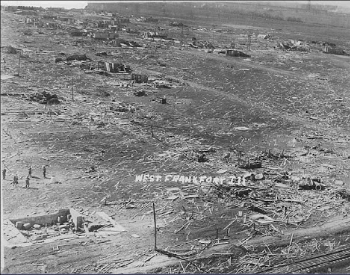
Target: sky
[47,4]
[82,4]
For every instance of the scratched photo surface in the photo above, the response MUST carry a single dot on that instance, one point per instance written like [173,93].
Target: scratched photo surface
[175,137]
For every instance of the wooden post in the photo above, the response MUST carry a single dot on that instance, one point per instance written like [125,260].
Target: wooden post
[19,62]
[72,91]
[155,227]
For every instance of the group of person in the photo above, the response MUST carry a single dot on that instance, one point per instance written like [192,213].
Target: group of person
[15,177]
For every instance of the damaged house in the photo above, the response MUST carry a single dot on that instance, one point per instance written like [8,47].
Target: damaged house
[147,35]
[333,50]
[31,20]
[114,67]
[293,45]
[201,44]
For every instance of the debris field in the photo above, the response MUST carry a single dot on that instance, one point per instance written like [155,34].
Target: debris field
[154,144]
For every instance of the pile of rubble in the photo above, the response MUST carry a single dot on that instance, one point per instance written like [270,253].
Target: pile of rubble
[293,45]
[44,98]
[11,50]
[78,57]
[123,107]
[201,44]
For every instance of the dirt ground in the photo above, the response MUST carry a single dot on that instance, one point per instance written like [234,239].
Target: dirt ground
[289,109]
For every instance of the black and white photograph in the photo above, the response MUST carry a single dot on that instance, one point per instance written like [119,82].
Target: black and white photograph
[167,137]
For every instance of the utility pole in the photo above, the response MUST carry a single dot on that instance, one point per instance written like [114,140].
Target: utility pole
[182,33]
[249,41]
[19,61]
[72,91]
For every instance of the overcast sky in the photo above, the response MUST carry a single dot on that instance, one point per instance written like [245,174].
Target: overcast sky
[47,4]
[82,4]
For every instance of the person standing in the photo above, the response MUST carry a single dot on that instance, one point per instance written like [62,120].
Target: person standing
[4,173]
[30,172]
[15,179]
[27,182]
[44,171]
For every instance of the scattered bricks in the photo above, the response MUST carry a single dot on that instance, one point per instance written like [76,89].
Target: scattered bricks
[37,226]
[27,226]
[19,225]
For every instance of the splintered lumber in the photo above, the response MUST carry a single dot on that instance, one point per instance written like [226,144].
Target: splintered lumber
[337,226]
[333,227]
[314,264]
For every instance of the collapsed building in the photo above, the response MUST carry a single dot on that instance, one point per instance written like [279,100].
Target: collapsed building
[31,20]
[147,35]
[331,50]
[293,45]
[201,44]
[113,67]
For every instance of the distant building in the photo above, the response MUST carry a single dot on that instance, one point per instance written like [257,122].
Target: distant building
[31,20]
